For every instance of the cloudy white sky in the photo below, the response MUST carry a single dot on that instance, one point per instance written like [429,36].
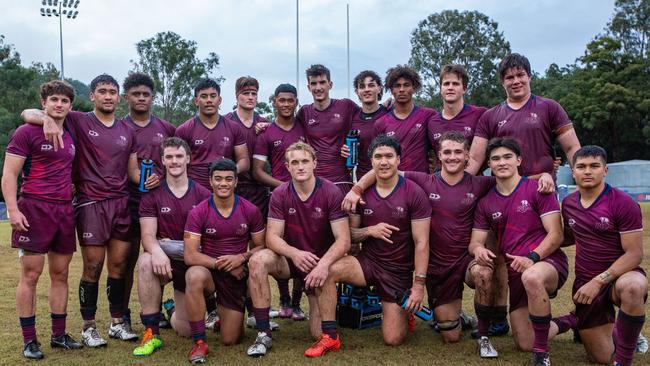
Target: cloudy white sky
[257,37]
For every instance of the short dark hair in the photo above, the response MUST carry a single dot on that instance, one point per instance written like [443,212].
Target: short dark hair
[175,142]
[223,165]
[103,79]
[457,70]
[403,71]
[384,140]
[318,70]
[206,83]
[57,87]
[285,88]
[513,60]
[593,151]
[455,136]
[505,142]
[245,82]
[368,74]
[138,79]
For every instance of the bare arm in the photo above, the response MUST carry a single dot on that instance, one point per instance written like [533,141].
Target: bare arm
[381,231]
[275,240]
[191,253]
[420,229]
[569,143]
[632,244]
[477,154]
[133,169]
[10,172]
[341,245]
[353,197]
[241,158]
[554,235]
[159,261]
[260,174]
[477,247]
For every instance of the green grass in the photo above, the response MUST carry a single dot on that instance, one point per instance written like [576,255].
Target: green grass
[364,347]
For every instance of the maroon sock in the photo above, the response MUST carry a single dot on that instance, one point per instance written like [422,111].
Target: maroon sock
[262,319]
[151,321]
[566,322]
[626,332]
[28,326]
[483,315]
[58,324]
[198,330]
[329,327]
[541,325]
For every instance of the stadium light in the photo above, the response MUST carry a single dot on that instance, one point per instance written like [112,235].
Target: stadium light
[60,9]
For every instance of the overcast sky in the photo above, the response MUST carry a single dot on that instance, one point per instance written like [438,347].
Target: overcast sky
[257,37]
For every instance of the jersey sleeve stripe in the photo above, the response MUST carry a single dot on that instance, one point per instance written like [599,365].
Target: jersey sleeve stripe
[274,219]
[339,219]
[193,233]
[550,212]
[631,231]
[260,157]
[257,232]
[16,155]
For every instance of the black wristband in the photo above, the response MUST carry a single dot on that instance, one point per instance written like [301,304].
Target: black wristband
[533,256]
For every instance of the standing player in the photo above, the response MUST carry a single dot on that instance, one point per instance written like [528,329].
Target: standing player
[42,220]
[307,232]
[456,115]
[326,122]
[394,227]
[608,230]
[529,233]
[162,219]
[105,156]
[533,121]
[216,239]
[149,132]
[407,123]
[270,147]
[211,136]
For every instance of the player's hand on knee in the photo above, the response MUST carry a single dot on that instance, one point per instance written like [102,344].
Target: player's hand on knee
[382,231]
[415,299]
[161,265]
[152,182]
[545,184]
[484,256]
[229,262]
[239,272]
[305,261]
[18,221]
[587,292]
[519,263]
[317,277]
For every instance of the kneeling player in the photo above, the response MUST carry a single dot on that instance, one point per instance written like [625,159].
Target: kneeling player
[529,233]
[162,218]
[216,239]
[42,220]
[307,232]
[608,230]
[394,227]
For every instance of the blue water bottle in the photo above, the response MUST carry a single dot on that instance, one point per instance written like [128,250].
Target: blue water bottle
[146,169]
[425,314]
[352,141]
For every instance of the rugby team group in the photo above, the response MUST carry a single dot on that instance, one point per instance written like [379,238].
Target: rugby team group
[235,199]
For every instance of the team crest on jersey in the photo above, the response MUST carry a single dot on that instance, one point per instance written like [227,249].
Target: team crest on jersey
[158,137]
[277,143]
[292,211]
[496,216]
[436,136]
[311,121]
[501,123]
[87,235]
[417,127]
[390,133]
[469,198]
[47,147]
[72,149]
[434,196]
[301,139]
[165,209]
[603,224]
[468,130]
[225,141]
[523,206]
[122,141]
[532,118]
[24,239]
[93,133]
[198,142]
[399,212]
[243,229]
[336,115]
[368,211]
[571,222]
[210,230]
[318,213]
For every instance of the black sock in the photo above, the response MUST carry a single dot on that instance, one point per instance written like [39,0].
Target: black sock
[88,299]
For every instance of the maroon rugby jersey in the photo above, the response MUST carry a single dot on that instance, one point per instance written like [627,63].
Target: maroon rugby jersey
[307,223]
[534,126]
[452,215]
[464,122]
[171,211]
[411,133]
[251,137]
[406,203]
[209,145]
[148,140]
[325,131]
[47,174]
[597,229]
[100,169]
[271,145]
[365,124]
[224,235]
[516,219]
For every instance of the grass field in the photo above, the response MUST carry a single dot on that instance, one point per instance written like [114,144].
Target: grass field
[364,347]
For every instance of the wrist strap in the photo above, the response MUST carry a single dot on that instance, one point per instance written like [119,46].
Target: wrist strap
[533,256]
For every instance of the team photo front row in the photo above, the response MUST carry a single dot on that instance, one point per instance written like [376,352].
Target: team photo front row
[218,224]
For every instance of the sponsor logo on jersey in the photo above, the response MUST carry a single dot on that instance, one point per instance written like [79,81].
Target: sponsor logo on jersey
[523,206]
[436,136]
[292,211]
[496,216]
[501,123]
[390,133]
[368,211]
[210,230]
[571,222]
[603,224]
[47,147]
[24,239]
[87,235]
[277,143]
[311,121]
[198,142]
[165,209]
[93,133]
[434,196]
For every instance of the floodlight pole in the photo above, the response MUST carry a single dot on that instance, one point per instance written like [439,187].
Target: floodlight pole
[297,49]
[61,39]
[60,8]
[348,35]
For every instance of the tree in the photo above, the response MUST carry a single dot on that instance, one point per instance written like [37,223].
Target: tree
[468,38]
[631,26]
[172,63]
